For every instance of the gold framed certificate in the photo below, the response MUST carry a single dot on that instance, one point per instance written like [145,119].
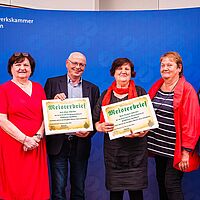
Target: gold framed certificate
[133,115]
[67,116]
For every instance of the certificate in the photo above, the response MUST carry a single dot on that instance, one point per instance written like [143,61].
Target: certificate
[67,116]
[133,115]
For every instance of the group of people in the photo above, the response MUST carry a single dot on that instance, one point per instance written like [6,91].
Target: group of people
[24,173]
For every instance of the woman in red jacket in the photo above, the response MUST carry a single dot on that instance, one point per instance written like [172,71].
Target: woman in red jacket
[176,105]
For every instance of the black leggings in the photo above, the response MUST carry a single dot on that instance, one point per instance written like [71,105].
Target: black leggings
[134,195]
[169,179]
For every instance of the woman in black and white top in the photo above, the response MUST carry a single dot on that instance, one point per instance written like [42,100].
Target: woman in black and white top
[176,104]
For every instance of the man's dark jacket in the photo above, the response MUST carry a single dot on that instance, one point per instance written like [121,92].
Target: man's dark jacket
[57,85]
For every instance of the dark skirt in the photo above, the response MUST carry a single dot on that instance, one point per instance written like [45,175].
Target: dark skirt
[125,163]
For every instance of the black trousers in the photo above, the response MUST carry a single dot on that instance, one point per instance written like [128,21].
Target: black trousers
[134,195]
[169,179]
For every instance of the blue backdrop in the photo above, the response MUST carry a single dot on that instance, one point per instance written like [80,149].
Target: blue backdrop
[142,36]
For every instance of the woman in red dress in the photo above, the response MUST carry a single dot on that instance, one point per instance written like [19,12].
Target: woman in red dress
[23,158]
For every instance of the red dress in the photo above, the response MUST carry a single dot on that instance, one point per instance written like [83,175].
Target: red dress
[23,174]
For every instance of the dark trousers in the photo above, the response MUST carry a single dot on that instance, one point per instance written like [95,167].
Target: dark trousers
[59,172]
[169,179]
[133,195]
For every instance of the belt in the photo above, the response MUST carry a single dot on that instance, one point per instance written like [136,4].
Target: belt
[70,137]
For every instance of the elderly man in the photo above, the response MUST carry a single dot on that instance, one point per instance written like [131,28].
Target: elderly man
[72,149]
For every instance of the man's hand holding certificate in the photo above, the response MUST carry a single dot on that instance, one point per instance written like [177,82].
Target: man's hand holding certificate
[130,116]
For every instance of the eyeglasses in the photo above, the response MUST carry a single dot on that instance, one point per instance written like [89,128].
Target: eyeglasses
[17,54]
[77,64]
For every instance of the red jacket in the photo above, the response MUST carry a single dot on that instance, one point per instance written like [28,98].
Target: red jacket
[186,119]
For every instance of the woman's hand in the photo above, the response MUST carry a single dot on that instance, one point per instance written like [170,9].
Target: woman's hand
[31,142]
[139,134]
[184,164]
[35,139]
[104,127]
[82,134]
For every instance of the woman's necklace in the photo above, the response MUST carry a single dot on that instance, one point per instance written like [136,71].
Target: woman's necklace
[22,85]
[165,88]
[169,93]
[120,96]
[26,87]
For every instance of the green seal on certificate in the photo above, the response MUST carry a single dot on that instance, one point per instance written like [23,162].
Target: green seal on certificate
[86,125]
